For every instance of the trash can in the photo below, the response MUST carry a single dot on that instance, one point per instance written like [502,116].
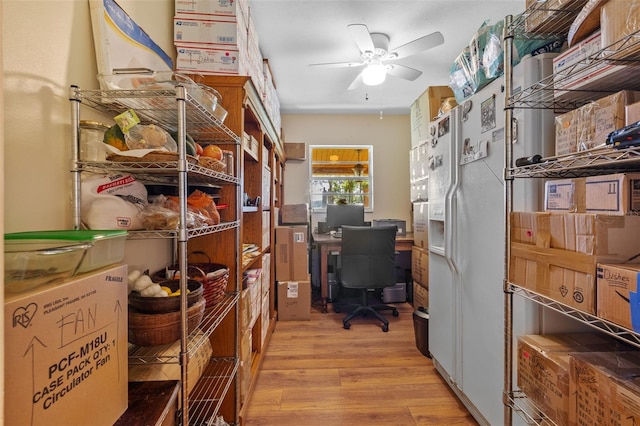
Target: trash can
[421,329]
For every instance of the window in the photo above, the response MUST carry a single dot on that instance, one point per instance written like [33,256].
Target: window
[341,173]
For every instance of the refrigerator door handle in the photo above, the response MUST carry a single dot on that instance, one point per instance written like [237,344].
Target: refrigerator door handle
[450,199]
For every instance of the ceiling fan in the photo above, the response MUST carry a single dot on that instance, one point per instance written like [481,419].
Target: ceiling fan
[375,56]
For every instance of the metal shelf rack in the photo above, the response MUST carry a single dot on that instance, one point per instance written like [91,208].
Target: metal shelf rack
[176,110]
[553,93]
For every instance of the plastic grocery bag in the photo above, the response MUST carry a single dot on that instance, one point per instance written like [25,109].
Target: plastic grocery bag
[112,201]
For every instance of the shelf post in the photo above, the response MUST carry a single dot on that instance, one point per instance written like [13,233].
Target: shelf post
[508,206]
[75,154]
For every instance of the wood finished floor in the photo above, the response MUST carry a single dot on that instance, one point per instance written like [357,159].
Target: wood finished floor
[317,373]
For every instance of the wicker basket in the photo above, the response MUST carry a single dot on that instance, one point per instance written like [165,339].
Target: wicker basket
[212,163]
[214,277]
[161,305]
[152,157]
[160,329]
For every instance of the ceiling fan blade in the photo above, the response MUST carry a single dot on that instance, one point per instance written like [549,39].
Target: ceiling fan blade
[362,37]
[418,45]
[338,64]
[403,72]
[357,82]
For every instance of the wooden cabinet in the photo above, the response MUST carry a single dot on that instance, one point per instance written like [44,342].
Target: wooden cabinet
[260,169]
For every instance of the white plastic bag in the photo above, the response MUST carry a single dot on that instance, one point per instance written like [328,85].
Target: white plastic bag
[112,201]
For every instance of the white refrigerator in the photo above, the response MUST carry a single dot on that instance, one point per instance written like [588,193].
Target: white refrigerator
[467,236]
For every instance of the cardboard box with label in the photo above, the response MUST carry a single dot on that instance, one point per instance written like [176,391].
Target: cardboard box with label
[294,300]
[614,194]
[565,195]
[291,254]
[607,388]
[555,254]
[543,369]
[617,290]
[66,351]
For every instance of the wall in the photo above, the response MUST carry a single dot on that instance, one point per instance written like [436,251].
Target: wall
[2,179]
[391,140]
[48,46]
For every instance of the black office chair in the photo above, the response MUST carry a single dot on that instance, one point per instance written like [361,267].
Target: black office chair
[367,261]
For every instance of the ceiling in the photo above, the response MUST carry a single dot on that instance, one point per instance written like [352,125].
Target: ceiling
[295,33]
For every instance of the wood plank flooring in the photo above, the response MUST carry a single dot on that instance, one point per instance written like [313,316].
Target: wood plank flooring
[317,373]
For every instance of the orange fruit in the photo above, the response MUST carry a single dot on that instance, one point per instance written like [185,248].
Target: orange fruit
[212,151]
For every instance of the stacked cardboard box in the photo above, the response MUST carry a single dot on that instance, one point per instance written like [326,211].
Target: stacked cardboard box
[292,273]
[544,372]
[588,126]
[556,254]
[217,38]
[607,388]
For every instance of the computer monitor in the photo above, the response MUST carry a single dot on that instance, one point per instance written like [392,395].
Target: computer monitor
[345,214]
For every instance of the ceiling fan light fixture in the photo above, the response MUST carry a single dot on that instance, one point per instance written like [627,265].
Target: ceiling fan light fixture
[374,74]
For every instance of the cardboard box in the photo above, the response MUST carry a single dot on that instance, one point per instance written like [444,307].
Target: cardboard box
[400,224]
[245,309]
[565,195]
[244,370]
[223,61]
[424,109]
[266,229]
[546,16]
[294,300]
[607,388]
[217,9]
[632,113]
[556,254]
[266,319]
[579,68]
[543,370]
[567,132]
[421,225]
[617,292]
[207,32]
[291,253]
[66,351]
[618,20]
[615,194]
[294,214]
[420,265]
[588,126]
[295,151]
[609,114]
[420,296]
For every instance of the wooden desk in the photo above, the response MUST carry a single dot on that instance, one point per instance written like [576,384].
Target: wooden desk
[326,243]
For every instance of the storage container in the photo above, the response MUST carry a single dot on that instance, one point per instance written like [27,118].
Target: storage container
[30,264]
[105,247]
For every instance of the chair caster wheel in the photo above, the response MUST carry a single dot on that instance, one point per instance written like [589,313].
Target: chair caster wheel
[385,327]
[346,326]
[395,313]
[337,310]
